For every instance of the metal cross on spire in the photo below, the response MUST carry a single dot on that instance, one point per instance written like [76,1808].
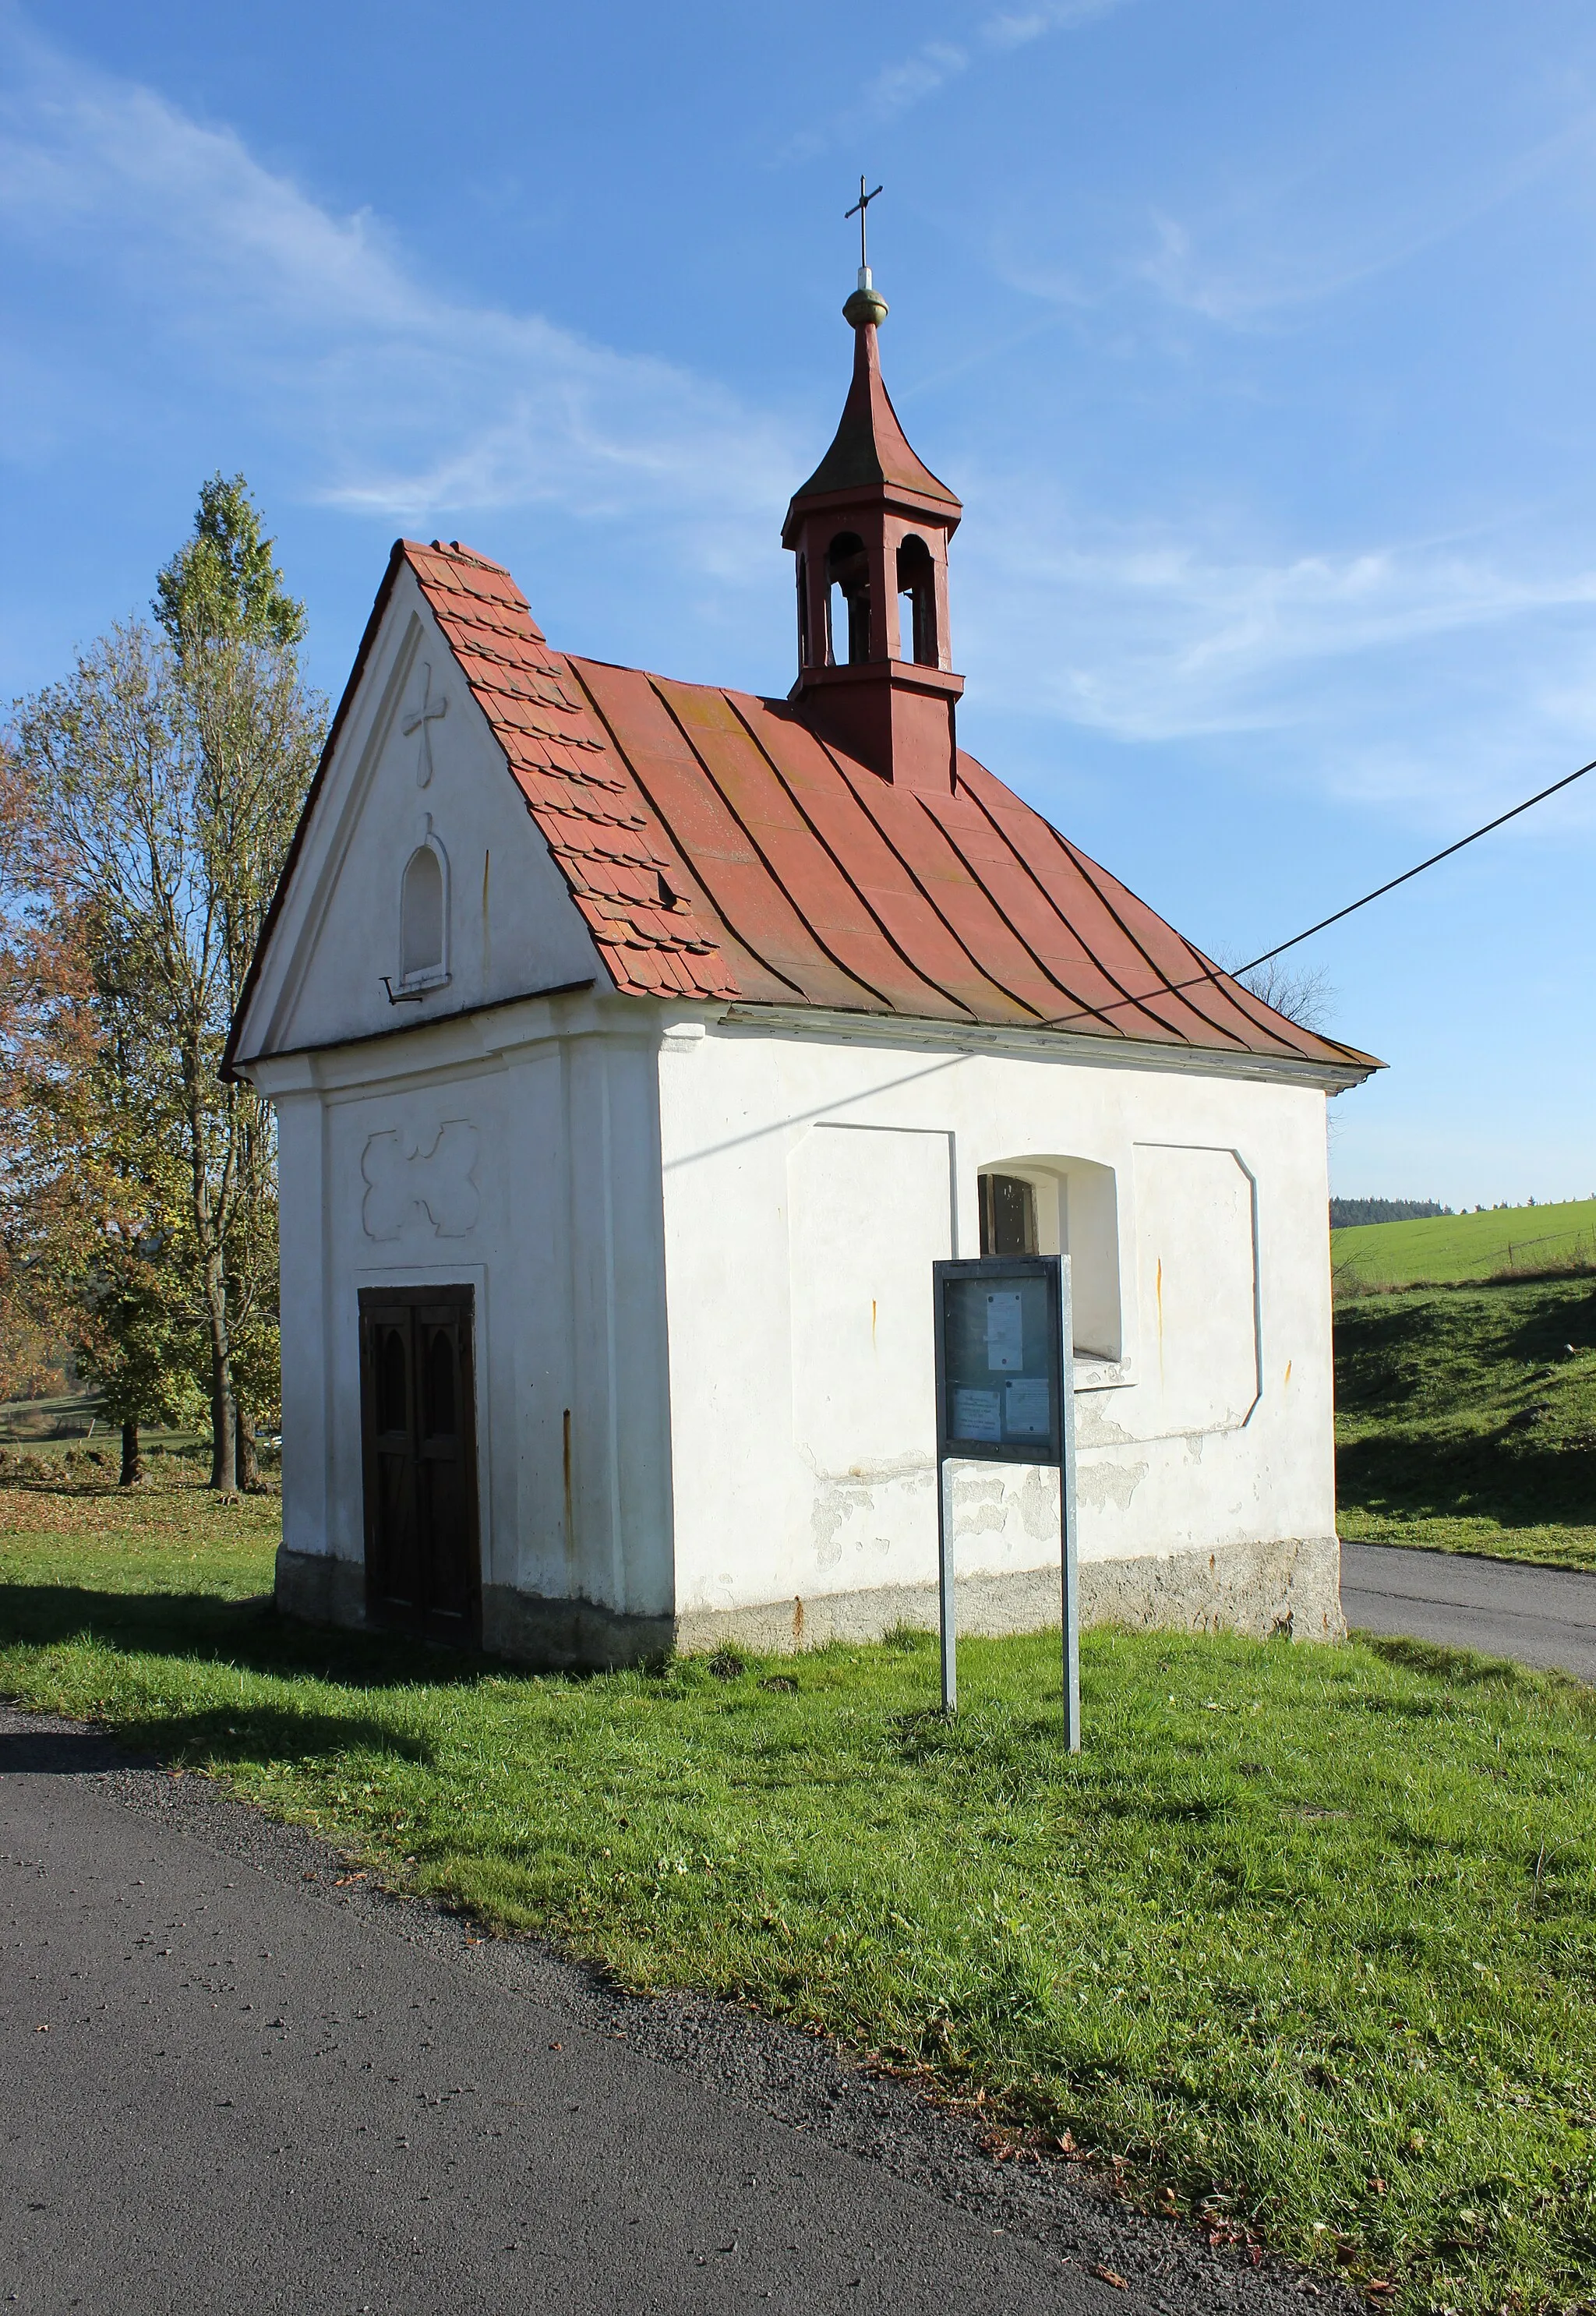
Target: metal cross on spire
[859,211]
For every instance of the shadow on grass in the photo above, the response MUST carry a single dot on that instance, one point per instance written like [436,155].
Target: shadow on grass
[1470,1669]
[1547,1331]
[224,1736]
[1514,1481]
[248,1635]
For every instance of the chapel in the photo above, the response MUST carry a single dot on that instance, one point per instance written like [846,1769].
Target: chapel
[638,1046]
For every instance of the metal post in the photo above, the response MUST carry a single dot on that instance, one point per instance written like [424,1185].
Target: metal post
[1066,1515]
[945,1581]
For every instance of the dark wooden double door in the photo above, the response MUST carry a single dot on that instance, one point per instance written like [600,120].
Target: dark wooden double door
[418,1423]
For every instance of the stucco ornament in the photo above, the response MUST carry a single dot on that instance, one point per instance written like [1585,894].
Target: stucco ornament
[405,1185]
[422,719]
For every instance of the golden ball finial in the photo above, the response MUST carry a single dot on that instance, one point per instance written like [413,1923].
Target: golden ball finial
[866,305]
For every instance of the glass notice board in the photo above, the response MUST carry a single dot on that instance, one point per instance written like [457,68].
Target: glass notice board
[999,1355]
[1005,1388]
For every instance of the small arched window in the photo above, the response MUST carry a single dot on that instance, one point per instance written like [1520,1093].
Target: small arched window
[917,606]
[421,917]
[848,584]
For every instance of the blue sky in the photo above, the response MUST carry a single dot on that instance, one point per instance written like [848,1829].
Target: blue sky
[1257,340]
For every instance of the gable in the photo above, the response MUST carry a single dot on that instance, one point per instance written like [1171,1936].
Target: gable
[413,774]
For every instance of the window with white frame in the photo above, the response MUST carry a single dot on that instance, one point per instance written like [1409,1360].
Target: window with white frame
[1063,1206]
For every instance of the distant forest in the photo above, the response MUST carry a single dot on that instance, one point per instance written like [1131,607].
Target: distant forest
[1345,1212]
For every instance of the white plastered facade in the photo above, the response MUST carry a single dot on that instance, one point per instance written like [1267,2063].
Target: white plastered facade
[700,1242]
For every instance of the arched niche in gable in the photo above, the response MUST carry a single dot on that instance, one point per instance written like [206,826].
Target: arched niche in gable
[424,916]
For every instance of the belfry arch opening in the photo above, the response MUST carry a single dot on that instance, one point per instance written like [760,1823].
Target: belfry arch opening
[917,602]
[848,599]
[806,655]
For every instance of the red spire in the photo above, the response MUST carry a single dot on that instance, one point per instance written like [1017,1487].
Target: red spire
[870,446]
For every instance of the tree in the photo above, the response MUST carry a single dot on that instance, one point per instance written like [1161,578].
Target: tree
[1304,994]
[222,582]
[233,629]
[163,780]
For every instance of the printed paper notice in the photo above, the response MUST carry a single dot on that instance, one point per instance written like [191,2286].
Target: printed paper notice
[1005,1344]
[977,1416]
[1025,1408]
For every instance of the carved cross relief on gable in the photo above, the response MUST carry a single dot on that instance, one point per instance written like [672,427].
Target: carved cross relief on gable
[422,719]
[407,1185]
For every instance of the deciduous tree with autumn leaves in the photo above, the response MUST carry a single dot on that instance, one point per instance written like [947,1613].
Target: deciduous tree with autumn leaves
[147,802]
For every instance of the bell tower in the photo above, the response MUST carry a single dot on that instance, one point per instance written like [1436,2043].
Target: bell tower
[869,530]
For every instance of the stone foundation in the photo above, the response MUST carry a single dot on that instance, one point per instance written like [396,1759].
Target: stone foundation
[319,1589]
[1291,1587]
[569,1635]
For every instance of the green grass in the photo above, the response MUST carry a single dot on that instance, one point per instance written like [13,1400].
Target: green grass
[1303,1945]
[66,1415]
[1447,1247]
[1466,1423]
[41,1425]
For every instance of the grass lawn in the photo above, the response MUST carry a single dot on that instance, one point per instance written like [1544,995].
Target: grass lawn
[1304,1942]
[1465,1423]
[1446,1247]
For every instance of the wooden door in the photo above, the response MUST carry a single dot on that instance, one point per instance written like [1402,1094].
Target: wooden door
[419,1441]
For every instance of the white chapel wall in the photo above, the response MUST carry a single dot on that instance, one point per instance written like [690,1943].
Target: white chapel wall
[501,1155]
[809,1183]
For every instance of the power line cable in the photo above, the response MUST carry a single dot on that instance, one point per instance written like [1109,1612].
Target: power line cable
[1217,972]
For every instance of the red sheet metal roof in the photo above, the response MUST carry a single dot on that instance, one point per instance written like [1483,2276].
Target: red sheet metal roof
[720,848]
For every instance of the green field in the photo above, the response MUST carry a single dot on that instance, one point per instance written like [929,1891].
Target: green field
[1300,1949]
[1445,1247]
[1466,1419]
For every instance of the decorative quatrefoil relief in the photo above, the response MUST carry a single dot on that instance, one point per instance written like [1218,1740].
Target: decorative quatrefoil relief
[407,1184]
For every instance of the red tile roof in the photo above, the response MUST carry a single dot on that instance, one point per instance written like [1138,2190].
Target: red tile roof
[623,871]
[720,848]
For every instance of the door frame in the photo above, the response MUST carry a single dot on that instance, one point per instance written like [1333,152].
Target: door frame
[413,1294]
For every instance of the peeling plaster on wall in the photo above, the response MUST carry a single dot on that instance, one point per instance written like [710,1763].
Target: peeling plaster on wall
[842,1499]
[1101,1485]
[978,1504]
[1039,1505]
[1095,1427]
[1018,1506]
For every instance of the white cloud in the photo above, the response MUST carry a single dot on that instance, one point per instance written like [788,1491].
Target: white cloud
[1015,28]
[413,402]
[1412,672]
[897,87]
[1309,233]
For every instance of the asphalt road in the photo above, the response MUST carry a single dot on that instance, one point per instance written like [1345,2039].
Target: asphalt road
[1543,1616]
[232,2078]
